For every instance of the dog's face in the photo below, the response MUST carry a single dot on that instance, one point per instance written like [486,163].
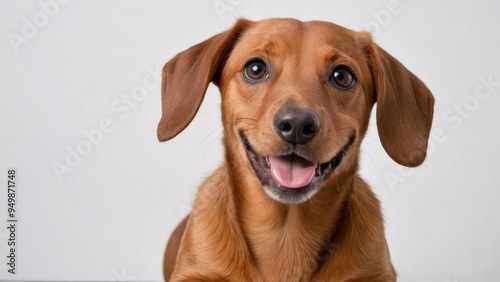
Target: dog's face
[296,100]
[296,110]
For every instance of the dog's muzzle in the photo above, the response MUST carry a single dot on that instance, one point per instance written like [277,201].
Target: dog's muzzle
[291,178]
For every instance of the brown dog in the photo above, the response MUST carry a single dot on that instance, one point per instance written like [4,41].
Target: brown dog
[287,203]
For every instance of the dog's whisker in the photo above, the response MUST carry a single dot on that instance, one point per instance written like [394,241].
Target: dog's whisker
[210,144]
[365,136]
[210,115]
[208,135]
[365,153]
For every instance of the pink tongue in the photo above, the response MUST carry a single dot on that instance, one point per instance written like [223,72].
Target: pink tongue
[291,171]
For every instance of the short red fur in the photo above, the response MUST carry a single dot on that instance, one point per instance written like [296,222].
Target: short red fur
[239,228]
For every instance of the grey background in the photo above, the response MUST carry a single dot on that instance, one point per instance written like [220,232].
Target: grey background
[86,63]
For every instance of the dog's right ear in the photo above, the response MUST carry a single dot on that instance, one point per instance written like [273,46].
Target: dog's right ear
[186,77]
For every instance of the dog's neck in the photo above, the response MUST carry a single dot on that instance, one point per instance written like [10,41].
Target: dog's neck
[280,236]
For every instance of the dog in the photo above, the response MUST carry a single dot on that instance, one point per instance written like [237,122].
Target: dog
[287,203]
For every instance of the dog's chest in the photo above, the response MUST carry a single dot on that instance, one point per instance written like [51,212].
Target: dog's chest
[287,255]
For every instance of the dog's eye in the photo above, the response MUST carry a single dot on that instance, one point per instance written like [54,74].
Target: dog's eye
[342,77]
[255,70]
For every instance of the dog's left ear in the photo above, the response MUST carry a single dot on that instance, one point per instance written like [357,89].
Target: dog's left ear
[405,106]
[186,78]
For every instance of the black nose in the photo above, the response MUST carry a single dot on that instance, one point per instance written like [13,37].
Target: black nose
[296,125]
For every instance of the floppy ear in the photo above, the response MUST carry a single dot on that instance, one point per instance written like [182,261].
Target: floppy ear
[186,78]
[405,107]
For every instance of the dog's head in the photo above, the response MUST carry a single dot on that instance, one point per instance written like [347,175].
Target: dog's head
[296,100]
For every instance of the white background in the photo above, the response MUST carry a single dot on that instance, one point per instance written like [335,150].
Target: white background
[110,217]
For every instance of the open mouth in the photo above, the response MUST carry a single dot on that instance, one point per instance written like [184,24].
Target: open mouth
[291,179]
